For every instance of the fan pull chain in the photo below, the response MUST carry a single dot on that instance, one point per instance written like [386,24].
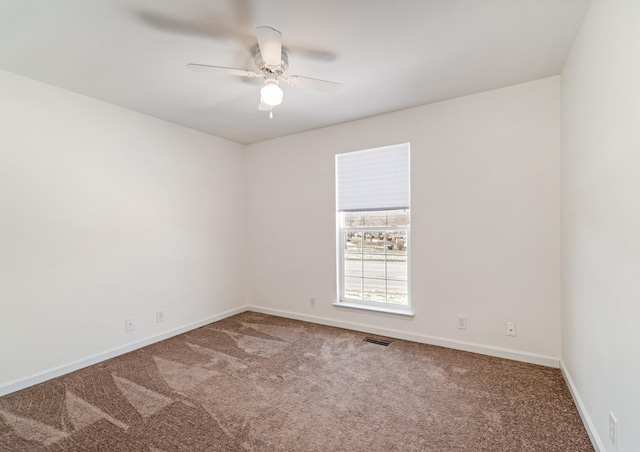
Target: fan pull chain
[270,115]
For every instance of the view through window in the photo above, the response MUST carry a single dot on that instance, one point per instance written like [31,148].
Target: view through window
[375,255]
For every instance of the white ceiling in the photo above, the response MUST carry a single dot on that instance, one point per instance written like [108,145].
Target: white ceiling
[390,54]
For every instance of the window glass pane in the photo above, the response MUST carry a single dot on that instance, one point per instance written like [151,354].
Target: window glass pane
[351,219]
[396,243]
[353,264]
[374,268]
[375,289]
[376,218]
[373,242]
[353,288]
[397,292]
[398,218]
[352,242]
[397,269]
[389,240]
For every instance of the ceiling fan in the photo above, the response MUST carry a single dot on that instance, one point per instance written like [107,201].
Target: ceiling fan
[272,60]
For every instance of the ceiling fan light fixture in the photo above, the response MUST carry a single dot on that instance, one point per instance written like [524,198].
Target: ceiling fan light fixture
[272,59]
[271,93]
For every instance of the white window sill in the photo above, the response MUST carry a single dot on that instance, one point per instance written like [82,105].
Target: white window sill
[346,304]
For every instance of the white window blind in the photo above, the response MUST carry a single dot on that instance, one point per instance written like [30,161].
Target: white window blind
[375,179]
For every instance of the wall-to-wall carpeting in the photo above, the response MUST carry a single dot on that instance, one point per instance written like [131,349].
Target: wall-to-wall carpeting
[264,383]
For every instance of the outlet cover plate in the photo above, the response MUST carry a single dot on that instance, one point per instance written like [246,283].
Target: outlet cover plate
[129,324]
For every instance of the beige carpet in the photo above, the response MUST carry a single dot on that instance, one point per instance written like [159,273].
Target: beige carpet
[264,383]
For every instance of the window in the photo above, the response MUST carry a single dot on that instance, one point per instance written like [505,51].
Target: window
[373,218]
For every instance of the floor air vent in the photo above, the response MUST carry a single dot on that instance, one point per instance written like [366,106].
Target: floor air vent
[376,341]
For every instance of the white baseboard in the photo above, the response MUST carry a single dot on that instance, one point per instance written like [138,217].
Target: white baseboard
[533,358]
[584,414]
[16,385]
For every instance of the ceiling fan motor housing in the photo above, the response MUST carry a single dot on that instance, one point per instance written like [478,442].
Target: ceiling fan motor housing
[284,61]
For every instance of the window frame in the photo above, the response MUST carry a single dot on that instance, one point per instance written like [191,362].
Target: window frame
[367,180]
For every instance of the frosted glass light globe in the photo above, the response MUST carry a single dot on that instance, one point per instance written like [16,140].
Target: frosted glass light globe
[271,93]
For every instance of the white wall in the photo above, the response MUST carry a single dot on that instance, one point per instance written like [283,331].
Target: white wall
[107,214]
[485,218]
[601,237]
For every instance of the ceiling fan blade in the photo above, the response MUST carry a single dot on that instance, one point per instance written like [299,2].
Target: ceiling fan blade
[204,27]
[313,83]
[222,70]
[270,43]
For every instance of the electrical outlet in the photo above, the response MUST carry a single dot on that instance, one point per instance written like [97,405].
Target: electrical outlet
[462,322]
[511,329]
[613,429]
[312,302]
[160,315]
[130,324]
